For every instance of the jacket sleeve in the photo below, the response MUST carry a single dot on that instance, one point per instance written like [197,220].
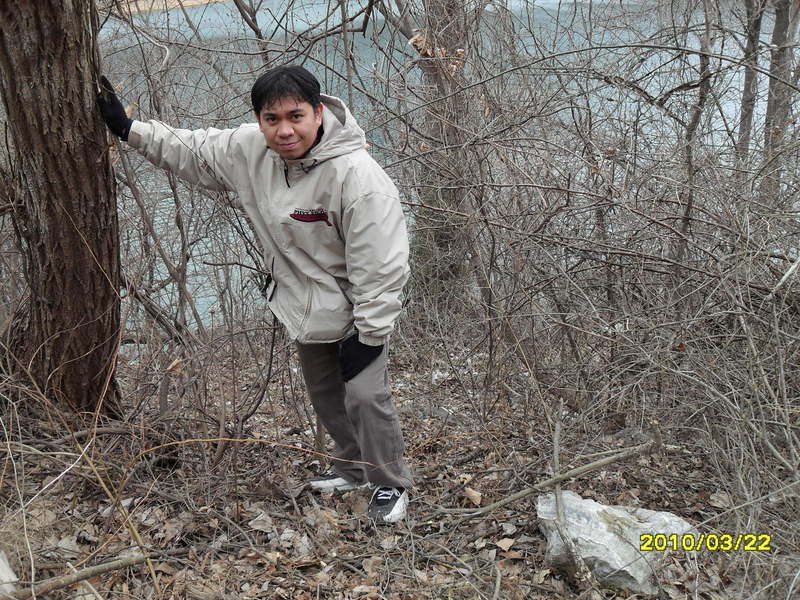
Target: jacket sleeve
[203,156]
[376,251]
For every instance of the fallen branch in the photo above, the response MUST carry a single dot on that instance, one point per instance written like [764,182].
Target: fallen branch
[541,486]
[87,585]
[93,431]
[62,581]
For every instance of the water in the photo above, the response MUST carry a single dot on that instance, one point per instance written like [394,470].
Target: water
[584,41]
[220,19]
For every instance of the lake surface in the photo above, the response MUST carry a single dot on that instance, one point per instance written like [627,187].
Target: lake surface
[206,59]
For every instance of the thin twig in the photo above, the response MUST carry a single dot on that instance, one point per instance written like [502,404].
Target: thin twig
[497,581]
[92,431]
[582,571]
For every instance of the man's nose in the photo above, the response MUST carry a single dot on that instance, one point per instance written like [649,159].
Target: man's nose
[285,130]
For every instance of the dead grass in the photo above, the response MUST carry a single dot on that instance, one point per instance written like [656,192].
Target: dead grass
[245,526]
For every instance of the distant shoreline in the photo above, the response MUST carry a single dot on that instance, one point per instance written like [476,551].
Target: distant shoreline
[163,5]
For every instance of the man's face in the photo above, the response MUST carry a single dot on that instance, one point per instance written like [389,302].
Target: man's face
[290,126]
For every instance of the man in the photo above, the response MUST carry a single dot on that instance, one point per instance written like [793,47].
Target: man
[332,230]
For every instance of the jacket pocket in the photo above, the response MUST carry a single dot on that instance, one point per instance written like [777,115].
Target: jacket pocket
[329,315]
[317,240]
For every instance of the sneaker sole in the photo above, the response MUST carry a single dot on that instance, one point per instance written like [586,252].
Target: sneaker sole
[337,488]
[393,518]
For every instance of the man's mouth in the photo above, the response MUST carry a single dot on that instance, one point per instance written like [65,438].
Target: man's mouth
[288,146]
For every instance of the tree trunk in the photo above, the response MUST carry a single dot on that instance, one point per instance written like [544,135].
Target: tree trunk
[780,98]
[62,189]
[755,10]
[440,252]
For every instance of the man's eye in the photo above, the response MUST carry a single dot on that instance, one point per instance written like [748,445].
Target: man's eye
[297,117]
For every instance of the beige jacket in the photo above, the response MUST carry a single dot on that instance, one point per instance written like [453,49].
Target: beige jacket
[330,224]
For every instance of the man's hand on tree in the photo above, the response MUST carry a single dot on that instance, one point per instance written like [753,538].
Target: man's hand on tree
[112,111]
[354,356]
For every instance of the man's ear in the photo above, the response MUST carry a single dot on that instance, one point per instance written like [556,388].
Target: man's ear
[318,112]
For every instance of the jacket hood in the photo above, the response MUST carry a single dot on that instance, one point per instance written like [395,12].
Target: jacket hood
[340,135]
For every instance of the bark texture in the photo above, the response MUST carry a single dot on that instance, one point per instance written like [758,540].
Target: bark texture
[62,190]
[779,101]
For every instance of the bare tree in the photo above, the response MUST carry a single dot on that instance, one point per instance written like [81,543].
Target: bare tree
[584,188]
[61,191]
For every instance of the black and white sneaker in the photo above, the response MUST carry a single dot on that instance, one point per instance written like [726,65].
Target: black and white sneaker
[388,505]
[331,481]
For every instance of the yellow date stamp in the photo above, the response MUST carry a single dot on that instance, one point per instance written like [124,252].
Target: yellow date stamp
[713,542]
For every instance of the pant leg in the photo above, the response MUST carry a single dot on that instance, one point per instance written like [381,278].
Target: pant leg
[322,374]
[372,413]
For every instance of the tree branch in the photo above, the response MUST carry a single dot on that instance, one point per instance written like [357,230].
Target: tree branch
[56,583]
[541,486]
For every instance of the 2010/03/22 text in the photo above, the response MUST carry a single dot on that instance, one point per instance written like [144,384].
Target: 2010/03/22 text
[713,542]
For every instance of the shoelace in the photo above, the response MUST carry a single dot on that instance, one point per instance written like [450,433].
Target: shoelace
[329,474]
[386,494]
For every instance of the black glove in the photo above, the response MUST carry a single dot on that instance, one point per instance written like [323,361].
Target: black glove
[112,111]
[354,356]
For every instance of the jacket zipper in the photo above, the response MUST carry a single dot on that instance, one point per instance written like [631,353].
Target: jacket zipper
[272,280]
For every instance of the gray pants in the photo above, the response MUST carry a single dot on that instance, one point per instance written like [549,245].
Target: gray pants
[359,415]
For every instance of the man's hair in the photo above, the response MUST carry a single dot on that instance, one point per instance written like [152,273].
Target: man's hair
[287,81]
